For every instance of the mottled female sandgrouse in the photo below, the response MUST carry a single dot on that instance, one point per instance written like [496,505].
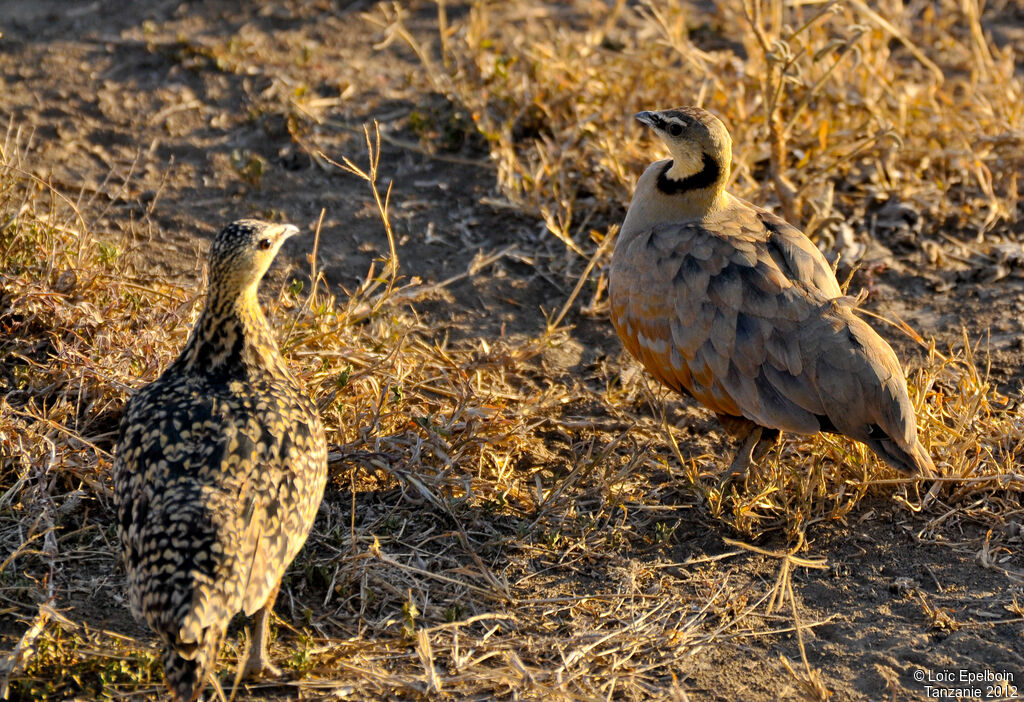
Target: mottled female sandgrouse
[724,301]
[219,472]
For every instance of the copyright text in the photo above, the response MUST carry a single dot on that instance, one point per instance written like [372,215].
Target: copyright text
[967,684]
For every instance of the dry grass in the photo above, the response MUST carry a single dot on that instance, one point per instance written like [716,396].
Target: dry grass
[836,109]
[480,534]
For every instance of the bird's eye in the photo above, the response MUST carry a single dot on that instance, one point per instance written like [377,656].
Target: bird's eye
[264,244]
[675,129]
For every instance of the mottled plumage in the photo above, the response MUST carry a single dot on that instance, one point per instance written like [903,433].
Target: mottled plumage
[219,471]
[722,300]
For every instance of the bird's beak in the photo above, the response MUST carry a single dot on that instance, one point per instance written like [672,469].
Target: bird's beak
[651,119]
[288,231]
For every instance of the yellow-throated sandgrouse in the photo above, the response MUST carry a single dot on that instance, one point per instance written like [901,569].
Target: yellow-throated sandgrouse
[219,472]
[725,301]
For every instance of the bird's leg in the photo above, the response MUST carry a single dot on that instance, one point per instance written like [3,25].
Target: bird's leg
[757,442]
[769,438]
[741,463]
[258,665]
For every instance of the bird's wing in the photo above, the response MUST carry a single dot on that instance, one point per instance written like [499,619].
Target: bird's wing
[291,480]
[716,311]
[746,316]
[794,253]
[858,374]
[184,500]
[130,502]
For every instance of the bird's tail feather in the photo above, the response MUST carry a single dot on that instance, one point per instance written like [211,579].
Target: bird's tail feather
[913,462]
[187,667]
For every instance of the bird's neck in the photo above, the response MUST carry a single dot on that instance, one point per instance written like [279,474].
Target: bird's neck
[232,339]
[695,186]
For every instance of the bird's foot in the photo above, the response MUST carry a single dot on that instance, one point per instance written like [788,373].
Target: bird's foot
[737,469]
[741,462]
[755,446]
[765,443]
[259,667]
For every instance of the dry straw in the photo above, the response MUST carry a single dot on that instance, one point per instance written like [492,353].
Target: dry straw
[491,530]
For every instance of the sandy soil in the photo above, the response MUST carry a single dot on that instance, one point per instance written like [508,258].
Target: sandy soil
[146,97]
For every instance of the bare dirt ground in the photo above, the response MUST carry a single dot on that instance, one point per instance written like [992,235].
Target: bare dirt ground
[186,116]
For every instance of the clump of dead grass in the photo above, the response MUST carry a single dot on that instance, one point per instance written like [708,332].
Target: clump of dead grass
[420,431]
[832,106]
[479,532]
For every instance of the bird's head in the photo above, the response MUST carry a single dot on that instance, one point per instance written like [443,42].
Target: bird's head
[243,251]
[698,141]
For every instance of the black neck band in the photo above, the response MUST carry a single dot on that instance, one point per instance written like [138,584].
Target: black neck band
[706,177]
